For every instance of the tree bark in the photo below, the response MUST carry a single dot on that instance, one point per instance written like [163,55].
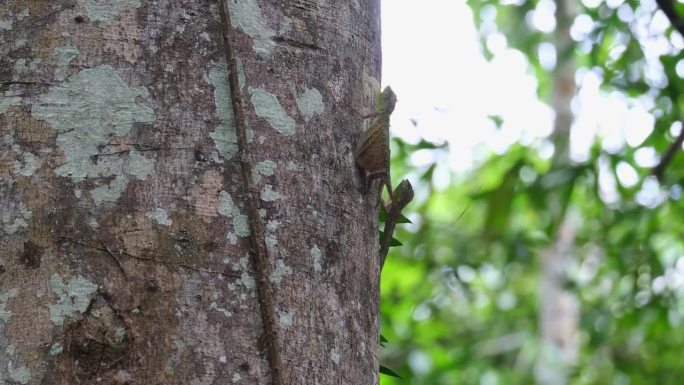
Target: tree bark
[125,254]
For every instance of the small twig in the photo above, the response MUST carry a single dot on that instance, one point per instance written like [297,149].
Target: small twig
[257,239]
[659,170]
[467,207]
[401,197]
[118,263]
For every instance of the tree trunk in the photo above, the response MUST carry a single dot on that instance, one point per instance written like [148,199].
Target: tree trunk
[559,308]
[125,247]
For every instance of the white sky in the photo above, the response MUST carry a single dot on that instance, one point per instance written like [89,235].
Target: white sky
[432,60]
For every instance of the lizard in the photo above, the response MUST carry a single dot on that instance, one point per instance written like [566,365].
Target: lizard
[372,153]
[399,199]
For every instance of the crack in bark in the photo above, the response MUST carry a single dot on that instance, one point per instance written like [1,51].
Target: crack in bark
[296,43]
[104,249]
[118,263]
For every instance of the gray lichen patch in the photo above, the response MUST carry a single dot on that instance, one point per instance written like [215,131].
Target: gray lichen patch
[272,225]
[103,13]
[279,272]
[285,25]
[5,314]
[139,166]
[160,216]
[14,218]
[23,66]
[7,100]
[316,254]
[335,356]
[20,65]
[29,166]
[56,349]
[292,166]
[247,280]
[310,103]
[246,15]
[23,14]
[265,168]
[269,195]
[227,208]
[271,241]
[88,110]
[110,192]
[225,312]
[224,137]
[119,334]
[21,374]
[213,9]
[285,319]
[74,297]
[267,106]
[241,225]
[6,24]
[64,55]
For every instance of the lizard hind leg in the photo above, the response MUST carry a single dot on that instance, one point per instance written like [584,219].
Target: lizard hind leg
[381,185]
[382,175]
[383,181]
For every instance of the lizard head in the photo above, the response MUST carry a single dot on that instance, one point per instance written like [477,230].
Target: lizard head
[389,99]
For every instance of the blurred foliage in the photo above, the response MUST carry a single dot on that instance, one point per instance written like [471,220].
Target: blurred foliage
[460,298]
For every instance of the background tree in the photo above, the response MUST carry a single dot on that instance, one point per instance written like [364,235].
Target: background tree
[133,250]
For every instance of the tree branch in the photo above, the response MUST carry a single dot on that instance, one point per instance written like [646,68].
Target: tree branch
[668,7]
[659,170]
[258,245]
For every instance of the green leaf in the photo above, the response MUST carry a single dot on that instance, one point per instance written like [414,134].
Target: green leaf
[496,119]
[427,175]
[403,219]
[389,372]
[538,237]
[382,215]
[393,242]
[500,201]
[425,145]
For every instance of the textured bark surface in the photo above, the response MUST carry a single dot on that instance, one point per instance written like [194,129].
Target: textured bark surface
[124,249]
